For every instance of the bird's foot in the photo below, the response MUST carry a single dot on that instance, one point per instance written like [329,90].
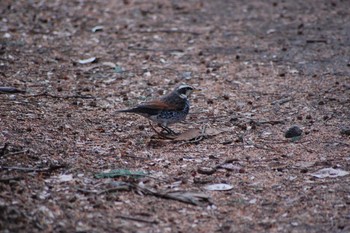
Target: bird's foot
[168,131]
[165,133]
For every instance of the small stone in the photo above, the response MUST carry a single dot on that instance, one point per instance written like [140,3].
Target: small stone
[226,97]
[304,170]
[206,170]
[293,131]
[233,119]
[93,104]
[227,142]
[345,131]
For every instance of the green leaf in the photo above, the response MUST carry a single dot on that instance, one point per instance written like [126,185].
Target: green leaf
[118,69]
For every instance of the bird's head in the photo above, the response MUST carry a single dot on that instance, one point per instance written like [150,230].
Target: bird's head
[184,90]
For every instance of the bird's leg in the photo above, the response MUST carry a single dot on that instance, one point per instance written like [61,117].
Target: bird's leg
[167,136]
[167,129]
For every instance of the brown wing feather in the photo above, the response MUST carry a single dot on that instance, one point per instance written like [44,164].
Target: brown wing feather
[156,104]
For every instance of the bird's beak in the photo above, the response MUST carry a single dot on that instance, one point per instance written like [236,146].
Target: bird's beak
[197,90]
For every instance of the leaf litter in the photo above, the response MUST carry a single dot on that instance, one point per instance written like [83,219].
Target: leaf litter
[264,81]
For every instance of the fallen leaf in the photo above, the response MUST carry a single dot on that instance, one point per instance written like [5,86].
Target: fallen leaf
[214,131]
[304,164]
[188,135]
[329,172]
[109,64]
[65,178]
[86,61]
[97,28]
[218,187]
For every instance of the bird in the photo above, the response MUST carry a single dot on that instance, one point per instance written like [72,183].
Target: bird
[169,109]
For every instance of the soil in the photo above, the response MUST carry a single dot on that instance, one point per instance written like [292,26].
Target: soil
[263,67]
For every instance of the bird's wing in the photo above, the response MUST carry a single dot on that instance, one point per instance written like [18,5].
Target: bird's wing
[159,105]
[153,107]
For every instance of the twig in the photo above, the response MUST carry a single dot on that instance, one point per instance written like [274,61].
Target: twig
[117,187]
[134,157]
[156,50]
[282,101]
[16,153]
[316,41]
[270,122]
[87,191]
[186,197]
[136,219]
[182,196]
[10,178]
[264,147]
[64,97]
[110,190]
[10,90]
[34,169]
[168,31]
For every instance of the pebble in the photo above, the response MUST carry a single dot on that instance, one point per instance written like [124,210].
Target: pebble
[345,131]
[206,170]
[293,131]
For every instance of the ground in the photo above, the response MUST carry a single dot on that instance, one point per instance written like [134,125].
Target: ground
[262,67]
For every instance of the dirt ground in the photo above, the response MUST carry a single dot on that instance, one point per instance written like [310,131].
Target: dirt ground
[262,67]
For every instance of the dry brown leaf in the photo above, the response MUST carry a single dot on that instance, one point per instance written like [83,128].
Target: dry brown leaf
[188,135]
[214,131]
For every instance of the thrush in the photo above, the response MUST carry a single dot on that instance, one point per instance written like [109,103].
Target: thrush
[167,110]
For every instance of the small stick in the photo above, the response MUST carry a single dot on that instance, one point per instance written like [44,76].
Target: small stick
[34,169]
[156,50]
[316,41]
[136,219]
[16,153]
[168,31]
[282,101]
[10,90]
[64,97]
[10,178]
